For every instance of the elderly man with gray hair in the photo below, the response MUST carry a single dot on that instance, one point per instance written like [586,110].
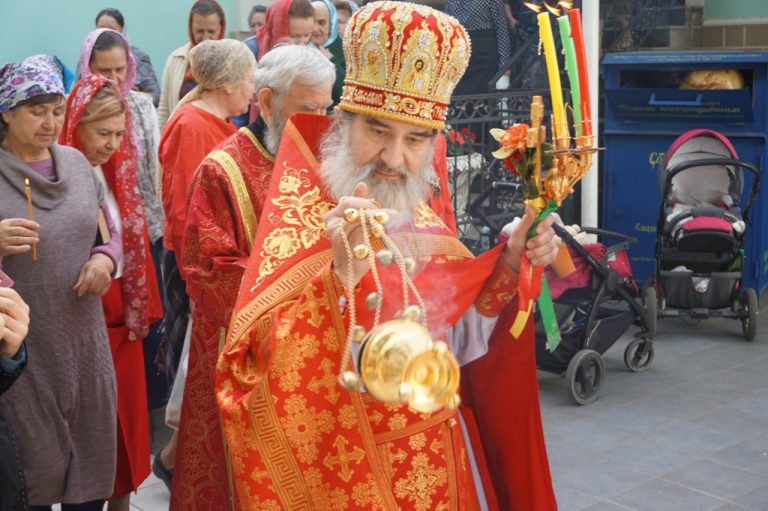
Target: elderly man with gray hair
[224,205]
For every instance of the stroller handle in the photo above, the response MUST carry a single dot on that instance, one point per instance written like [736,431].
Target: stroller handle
[609,234]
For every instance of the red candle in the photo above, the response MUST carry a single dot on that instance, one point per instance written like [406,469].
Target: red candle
[581,62]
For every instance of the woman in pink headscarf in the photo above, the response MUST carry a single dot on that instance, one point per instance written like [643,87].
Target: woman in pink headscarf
[106,53]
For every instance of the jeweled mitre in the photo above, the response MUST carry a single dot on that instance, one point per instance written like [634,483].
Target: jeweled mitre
[403,62]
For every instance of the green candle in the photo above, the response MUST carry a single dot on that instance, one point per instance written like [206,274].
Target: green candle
[569,49]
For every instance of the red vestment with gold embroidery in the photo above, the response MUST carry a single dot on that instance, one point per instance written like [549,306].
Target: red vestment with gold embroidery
[225,200]
[298,440]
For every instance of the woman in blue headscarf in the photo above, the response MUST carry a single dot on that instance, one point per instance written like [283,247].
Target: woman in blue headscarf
[325,36]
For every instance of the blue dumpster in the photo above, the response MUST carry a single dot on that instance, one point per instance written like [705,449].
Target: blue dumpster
[645,111]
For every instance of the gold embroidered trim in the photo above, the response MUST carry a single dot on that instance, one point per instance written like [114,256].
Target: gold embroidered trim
[451,462]
[255,141]
[241,192]
[392,116]
[289,285]
[276,453]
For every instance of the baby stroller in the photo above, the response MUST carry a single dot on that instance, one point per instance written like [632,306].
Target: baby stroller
[701,233]
[594,307]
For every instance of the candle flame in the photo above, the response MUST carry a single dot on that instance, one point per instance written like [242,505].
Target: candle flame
[26,181]
[553,10]
[565,5]
[533,7]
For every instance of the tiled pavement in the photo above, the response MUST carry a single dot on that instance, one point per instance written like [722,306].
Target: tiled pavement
[691,434]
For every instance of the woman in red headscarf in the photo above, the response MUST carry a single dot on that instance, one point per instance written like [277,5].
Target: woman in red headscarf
[98,124]
[288,21]
[206,21]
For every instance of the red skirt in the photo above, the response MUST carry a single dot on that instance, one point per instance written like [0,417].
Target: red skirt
[133,465]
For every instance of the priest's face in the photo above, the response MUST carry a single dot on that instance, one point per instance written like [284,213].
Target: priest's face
[395,147]
[276,109]
[393,158]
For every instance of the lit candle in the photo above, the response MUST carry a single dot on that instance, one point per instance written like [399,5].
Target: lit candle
[581,63]
[28,192]
[572,69]
[553,72]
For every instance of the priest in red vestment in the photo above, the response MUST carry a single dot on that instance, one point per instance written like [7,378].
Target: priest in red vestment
[225,202]
[297,439]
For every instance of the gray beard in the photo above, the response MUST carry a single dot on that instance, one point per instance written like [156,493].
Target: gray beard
[273,133]
[341,175]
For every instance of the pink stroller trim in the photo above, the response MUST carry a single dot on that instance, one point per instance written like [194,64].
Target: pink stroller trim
[688,135]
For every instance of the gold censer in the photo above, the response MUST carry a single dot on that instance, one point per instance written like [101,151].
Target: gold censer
[398,362]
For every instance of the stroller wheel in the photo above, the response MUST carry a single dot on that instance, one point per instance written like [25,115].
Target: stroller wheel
[749,314]
[584,375]
[638,355]
[651,305]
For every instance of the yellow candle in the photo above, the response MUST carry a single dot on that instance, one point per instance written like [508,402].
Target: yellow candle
[553,72]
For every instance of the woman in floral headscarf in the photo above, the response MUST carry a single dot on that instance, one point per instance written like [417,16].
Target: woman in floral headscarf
[106,53]
[98,123]
[63,406]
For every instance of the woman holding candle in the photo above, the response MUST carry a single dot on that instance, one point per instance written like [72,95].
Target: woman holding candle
[98,123]
[63,406]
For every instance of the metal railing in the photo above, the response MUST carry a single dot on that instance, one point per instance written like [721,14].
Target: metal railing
[471,167]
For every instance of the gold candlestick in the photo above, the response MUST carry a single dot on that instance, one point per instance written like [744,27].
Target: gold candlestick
[569,165]
[28,192]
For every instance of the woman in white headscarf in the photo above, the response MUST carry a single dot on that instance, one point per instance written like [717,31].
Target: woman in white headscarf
[223,70]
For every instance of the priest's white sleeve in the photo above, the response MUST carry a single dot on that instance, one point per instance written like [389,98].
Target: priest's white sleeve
[469,337]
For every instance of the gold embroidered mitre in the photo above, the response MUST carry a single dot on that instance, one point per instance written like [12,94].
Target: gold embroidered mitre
[403,62]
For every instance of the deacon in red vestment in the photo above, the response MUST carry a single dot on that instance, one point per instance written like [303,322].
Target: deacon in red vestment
[226,197]
[297,439]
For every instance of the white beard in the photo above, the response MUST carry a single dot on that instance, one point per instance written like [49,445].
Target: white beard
[341,175]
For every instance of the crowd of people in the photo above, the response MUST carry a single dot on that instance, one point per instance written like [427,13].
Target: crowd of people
[186,243]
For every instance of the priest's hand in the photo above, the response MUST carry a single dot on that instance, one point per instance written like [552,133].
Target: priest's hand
[95,275]
[14,322]
[17,236]
[335,223]
[540,249]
